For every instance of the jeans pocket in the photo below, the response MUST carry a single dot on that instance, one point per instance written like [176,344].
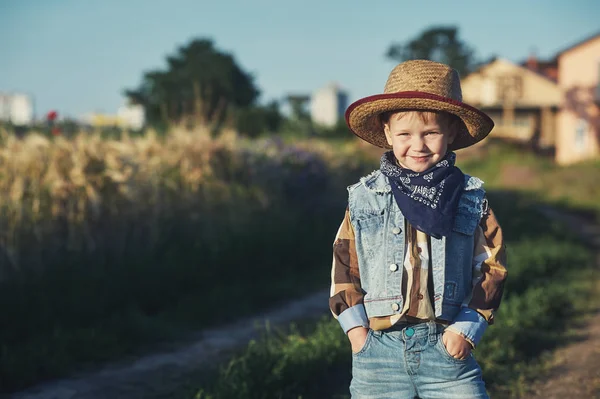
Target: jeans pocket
[442,348]
[366,345]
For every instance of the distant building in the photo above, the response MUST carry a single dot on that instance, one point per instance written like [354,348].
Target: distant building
[328,104]
[131,116]
[579,117]
[16,108]
[96,119]
[522,102]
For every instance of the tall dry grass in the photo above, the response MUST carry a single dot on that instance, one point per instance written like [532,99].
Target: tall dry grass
[107,245]
[59,195]
[98,197]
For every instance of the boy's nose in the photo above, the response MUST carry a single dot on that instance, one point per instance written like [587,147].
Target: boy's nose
[418,143]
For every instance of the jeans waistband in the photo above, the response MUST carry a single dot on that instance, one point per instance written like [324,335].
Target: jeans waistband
[431,326]
[401,325]
[414,331]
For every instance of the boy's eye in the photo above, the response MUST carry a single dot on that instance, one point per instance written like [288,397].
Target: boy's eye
[433,132]
[403,134]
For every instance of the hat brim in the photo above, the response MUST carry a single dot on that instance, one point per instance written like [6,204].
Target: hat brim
[362,116]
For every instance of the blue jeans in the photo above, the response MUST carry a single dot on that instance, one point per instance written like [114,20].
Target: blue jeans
[410,362]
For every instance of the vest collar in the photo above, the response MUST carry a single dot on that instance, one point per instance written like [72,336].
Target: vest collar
[472,183]
[378,183]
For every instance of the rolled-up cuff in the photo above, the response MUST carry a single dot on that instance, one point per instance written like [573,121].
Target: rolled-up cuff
[470,324]
[353,317]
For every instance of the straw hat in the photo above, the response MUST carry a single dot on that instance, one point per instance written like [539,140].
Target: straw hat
[423,86]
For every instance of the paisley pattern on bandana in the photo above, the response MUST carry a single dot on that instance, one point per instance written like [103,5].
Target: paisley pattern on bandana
[428,199]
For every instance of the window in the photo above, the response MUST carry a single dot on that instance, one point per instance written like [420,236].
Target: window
[522,121]
[510,87]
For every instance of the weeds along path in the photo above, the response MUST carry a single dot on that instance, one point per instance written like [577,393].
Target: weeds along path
[575,368]
[158,375]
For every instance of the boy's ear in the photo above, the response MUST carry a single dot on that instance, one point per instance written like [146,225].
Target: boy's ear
[388,134]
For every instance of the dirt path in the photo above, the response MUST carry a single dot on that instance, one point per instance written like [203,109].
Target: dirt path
[575,368]
[158,375]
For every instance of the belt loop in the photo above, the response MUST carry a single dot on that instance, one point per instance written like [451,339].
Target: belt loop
[432,332]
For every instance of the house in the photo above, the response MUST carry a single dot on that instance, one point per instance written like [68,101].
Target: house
[579,117]
[131,116]
[522,102]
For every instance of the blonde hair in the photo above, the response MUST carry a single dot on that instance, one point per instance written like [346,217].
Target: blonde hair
[446,119]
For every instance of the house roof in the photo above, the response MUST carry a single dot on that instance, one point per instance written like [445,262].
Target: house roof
[516,66]
[543,68]
[579,43]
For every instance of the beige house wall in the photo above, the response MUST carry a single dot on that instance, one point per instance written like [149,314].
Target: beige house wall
[579,118]
[482,88]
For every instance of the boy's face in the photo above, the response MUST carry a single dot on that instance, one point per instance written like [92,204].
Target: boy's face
[417,144]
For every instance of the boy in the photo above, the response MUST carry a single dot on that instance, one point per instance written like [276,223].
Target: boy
[419,260]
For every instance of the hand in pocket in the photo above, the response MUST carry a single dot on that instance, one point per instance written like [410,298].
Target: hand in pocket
[358,338]
[456,345]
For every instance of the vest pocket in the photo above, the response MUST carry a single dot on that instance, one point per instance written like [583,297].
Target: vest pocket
[370,234]
[366,219]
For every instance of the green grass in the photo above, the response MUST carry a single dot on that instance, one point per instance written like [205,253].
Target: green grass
[283,365]
[543,293]
[507,166]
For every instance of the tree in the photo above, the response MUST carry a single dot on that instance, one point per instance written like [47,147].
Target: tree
[439,44]
[256,120]
[200,86]
[298,104]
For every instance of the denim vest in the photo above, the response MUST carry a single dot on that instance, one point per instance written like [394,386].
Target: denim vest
[380,244]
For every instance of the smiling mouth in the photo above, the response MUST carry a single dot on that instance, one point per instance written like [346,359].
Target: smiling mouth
[422,158]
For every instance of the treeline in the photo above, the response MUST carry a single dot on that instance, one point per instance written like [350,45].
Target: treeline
[204,86]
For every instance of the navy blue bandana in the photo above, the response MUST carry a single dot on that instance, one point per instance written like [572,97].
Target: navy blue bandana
[428,200]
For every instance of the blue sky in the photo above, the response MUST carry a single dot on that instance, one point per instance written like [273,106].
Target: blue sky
[77,56]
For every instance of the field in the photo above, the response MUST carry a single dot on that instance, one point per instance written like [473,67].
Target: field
[111,246]
[512,167]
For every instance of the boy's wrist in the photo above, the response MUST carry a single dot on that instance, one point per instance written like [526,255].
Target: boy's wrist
[460,334]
